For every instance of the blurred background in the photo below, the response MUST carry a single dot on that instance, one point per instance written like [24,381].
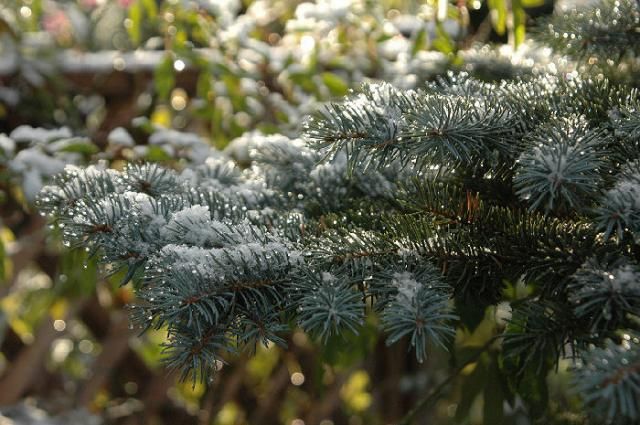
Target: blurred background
[166,80]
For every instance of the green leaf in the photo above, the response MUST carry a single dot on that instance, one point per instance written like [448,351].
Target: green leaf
[519,20]
[471,386]
[531,385]
[164,78]
[471,315]
[234,90]
[493,411]
[4,325]
[204,86]
[498,10]
[443,42]
[180,40]
[150,8]
[303,79]
[360,345]
[335,84]
[144,124]
[218,130]
[156,153]
[534,390]
[268,128]
[78,274]
[532,3]
[135,15]
[6,27]
[81,146]
[2,260]
[420,43]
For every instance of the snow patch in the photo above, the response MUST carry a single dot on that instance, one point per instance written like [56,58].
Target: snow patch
[406,285]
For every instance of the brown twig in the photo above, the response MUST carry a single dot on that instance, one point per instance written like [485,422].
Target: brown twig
[331,401]
[29,365]
[431,397]
[268,406]
[114,348]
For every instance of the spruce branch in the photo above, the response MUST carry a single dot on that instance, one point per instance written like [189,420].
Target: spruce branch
[371,120]
[329,306]
[562,165]
[619,210]
[478,245]
[194,356]
[626,122]
[538,335]
[608,378]
[610,30]
[419,309]
[397,201]
[597,98]
[606,295]
[456,130]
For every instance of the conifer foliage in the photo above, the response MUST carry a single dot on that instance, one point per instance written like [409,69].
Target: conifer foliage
[404,203]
